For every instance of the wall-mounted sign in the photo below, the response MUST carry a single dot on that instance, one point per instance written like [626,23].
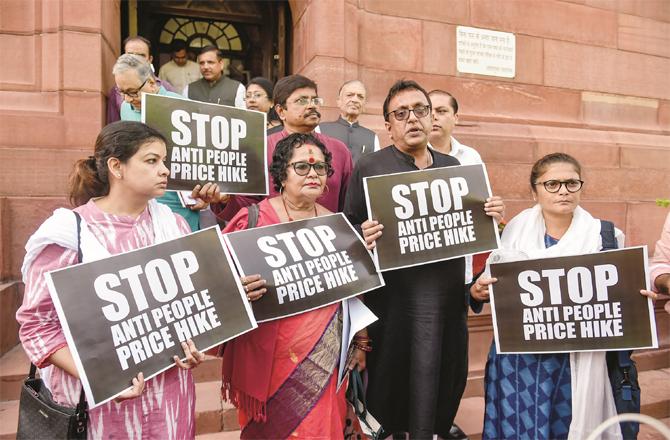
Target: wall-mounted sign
[485,52]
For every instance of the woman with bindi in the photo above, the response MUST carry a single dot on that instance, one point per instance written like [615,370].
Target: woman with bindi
[265,367]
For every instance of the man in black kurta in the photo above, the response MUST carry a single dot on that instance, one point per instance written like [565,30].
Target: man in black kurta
[418,366]
[351,101]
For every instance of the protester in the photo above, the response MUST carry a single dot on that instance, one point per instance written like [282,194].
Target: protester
[113,191]
[215,87]
[179,71]
[554,395]
[259,98]
[133,76]
[445,116]
[297,104]
[418,369]
[269,367]
[351,102]
[659,268]
[134,45]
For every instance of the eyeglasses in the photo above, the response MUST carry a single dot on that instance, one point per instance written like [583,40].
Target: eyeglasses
[257,95]
[402,114]
[303,168]
[305,100]
[553,186]
[135,93]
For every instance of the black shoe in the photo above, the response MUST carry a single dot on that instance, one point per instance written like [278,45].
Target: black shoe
[456,433]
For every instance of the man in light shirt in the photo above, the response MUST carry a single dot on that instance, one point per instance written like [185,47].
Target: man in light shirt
[180,71]
[445,117]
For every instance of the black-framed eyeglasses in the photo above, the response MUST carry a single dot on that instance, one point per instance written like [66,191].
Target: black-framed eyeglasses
[402,114]
[554,186]
[135,93]
[256,96]
[304,100]
[303,168]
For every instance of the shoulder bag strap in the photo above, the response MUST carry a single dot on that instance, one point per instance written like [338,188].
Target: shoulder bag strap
[607,235]
[82,405]
[253,211]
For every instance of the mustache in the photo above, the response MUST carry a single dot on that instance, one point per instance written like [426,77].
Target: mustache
[313,112]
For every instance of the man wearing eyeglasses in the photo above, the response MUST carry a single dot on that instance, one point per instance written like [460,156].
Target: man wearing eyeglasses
[215,87]
[418,364]
[297,103]
[133,76]
[135,45]
[351,101]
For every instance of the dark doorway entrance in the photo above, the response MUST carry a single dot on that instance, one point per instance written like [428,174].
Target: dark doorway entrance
[253,35]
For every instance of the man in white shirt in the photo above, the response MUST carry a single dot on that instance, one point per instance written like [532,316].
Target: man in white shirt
[445,117]
[180,71]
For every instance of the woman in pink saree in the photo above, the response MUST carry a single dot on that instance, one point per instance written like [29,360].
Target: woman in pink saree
[283,375]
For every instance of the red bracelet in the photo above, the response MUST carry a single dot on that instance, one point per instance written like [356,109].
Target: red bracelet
[365,348]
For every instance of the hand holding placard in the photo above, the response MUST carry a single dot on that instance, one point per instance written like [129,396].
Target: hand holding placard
[575,303]
[430,215]
[303,264]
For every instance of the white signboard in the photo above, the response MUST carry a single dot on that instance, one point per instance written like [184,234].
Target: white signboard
[485,52]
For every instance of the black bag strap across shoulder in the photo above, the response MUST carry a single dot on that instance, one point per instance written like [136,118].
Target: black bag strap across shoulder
[253,211]
[608,235]
[82,406]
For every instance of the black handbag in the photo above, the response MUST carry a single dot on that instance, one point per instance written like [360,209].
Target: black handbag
[360,424]
[625,389]
[39,416]
[621,369]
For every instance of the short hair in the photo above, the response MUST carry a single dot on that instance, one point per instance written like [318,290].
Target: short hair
[178,45]
[453,102]
[540,167]
[400,86]
[281,157]
[351,81]
[137,38]
[211,48]
[129,61]
[289,84]
[263,83]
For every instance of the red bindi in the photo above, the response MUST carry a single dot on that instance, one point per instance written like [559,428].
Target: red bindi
[311,160]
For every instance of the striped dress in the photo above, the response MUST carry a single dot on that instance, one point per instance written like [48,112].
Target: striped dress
[166,409]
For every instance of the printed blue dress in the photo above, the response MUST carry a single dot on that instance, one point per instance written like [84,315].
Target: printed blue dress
[528,396]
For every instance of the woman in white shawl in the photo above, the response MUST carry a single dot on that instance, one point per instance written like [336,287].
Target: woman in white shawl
[114,192]
[548,396]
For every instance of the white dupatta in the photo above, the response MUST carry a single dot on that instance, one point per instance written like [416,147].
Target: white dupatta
[61,229]
[523,238]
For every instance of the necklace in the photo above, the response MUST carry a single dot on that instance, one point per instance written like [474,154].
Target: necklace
[283,201]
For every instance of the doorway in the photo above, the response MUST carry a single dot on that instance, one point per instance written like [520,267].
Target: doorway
[254,36]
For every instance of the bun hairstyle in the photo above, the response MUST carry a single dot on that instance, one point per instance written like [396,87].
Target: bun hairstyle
[120,140]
